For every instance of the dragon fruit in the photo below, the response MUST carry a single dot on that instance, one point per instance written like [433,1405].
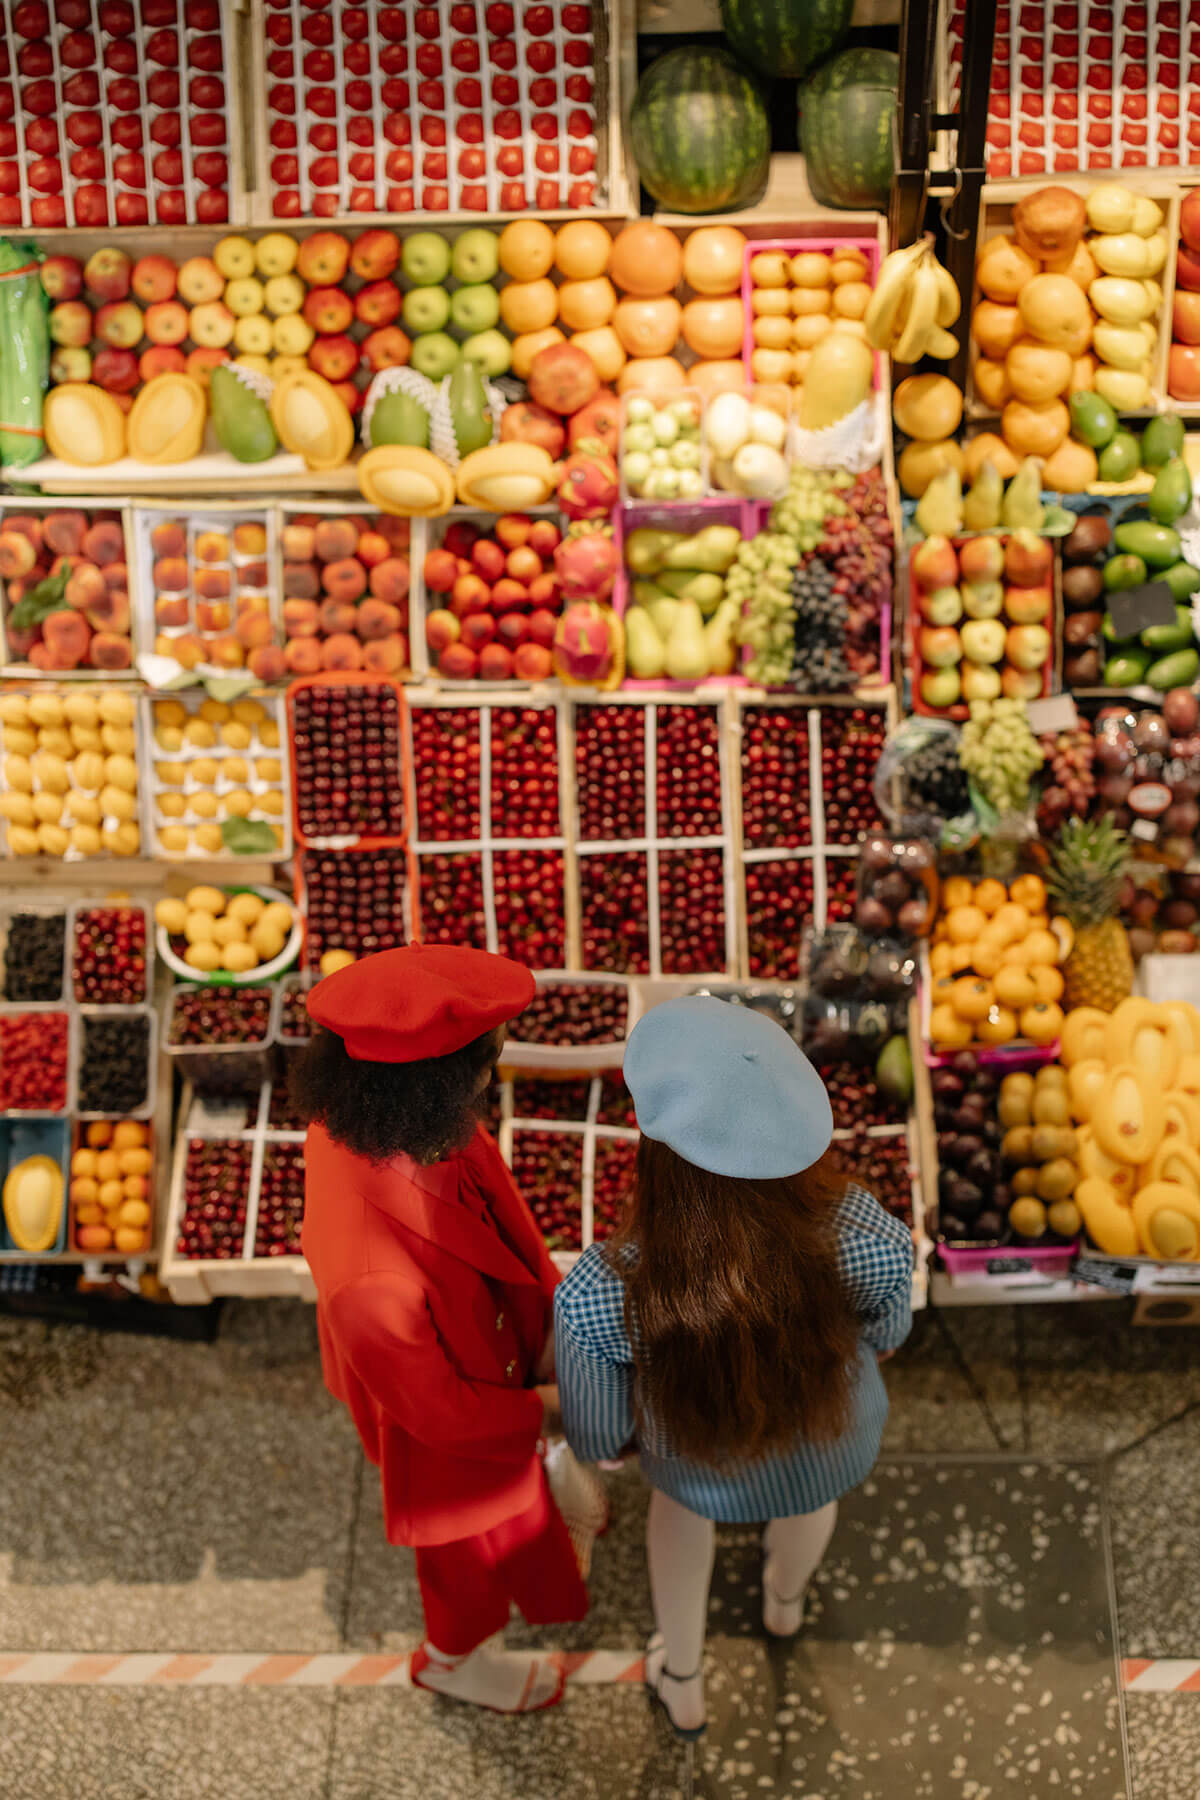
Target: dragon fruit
[588,483]
[583,643]
[587,566]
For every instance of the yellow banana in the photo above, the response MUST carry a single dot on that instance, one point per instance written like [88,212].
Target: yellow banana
[941,343]
[949,299]
[922,314]
[889,293]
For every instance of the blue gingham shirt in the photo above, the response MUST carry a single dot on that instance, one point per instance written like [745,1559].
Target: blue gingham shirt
[596,1378]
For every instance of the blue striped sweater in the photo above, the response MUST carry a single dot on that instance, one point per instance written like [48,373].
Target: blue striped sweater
[596,1381]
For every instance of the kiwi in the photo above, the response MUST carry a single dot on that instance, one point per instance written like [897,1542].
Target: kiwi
[1028,1218]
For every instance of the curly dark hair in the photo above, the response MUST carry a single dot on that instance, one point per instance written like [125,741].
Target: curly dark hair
[426,1110]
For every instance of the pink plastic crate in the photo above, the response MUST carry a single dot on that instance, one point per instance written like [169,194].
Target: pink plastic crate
[790,246]
[676,515]
[1046,1259]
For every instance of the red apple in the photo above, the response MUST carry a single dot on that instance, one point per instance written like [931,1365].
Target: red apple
[1185,320]
[119,323]
[388,348]
[336,358]
[107,274]
[1183,373]
[62,277]
[115,370]
[1189,220]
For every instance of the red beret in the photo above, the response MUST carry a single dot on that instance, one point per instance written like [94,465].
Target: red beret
[425,1000]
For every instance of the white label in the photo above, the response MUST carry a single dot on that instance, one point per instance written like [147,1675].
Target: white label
[1146,829]
[1057,712]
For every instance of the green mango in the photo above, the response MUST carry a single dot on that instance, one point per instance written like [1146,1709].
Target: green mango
[1182,579]
[1093,420]
[1171,494]
[1157,545]
[646,548]
[693,584]
[1162,638]
[1023,497]
[1128,669]
[1120,458]
[894,1070]
[1177,670]
[1124,572]
[1110,636]
[712,549]
[981,506]
[240,417]
[470,413]
[397,418]
[1161,441]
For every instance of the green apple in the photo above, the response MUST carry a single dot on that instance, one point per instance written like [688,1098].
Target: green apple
[426,309]
[980,683]
[490,351]
[425,258]
[475,307]
[476,256]
[434,354]
[941,687]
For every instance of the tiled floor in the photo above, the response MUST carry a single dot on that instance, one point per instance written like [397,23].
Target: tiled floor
[158,1496]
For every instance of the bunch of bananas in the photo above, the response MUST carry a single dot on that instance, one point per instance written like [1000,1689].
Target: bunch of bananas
[913,306]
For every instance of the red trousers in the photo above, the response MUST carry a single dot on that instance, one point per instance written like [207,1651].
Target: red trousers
[468,1587]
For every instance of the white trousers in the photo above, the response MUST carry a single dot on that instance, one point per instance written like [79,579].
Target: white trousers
[679,1548]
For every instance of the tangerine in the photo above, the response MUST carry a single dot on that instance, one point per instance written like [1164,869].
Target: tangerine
[582,249]
[646,259]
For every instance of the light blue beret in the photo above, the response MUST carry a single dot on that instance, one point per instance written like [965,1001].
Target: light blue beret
[728,1089]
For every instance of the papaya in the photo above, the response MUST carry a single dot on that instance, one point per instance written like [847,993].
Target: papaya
[398,408]
[1171,494]
[1084,1082]
[312,419]
[1167,1217]
[1183,1118]
[166,422]
[1130,1117]
[506,477]
[405,480]
[83,425]
[1187,1076]
[33,1203]
[238,400]
[1110,1224]
[1182,579]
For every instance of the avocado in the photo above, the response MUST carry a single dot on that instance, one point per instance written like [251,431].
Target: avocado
[1161,441]
[240,416]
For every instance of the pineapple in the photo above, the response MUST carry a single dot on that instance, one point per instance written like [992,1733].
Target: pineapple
[1087,862]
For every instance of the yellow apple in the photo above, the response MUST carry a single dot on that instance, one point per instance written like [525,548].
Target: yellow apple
[234,256]
[292,334]
[285,294]
[211,325]
[276,253]
[200,280]
[245,296]
[258,365]
[253,335]
[287,365]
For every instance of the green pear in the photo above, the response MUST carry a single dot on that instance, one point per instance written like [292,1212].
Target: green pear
[664,611]
[939,510]
[693,584]
[645,593]
[720,635]
[644,652]
[1023,499]
[712,549]
[687,651]
[645,549]
[981,506]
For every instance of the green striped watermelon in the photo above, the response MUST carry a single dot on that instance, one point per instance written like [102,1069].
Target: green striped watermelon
[847,115]
[699,133]
[785,37]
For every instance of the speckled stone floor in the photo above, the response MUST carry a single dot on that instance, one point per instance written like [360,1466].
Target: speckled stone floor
[1034,1516]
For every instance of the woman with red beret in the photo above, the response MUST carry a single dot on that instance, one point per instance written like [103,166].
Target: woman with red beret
[435,1298]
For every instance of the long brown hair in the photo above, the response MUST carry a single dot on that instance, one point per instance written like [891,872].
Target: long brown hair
[743,1333]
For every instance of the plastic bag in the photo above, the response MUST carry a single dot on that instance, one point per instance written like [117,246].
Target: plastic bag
[919,787]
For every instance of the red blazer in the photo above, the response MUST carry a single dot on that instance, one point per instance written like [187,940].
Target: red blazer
[430,1329]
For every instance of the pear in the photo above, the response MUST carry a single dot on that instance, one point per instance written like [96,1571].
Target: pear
[687,651]
[693,584]
[1023,500]
[645,593]
[644,651]
[720,635]
[981,507]
[939,510]
[663,611]
[646,548]
[712,549]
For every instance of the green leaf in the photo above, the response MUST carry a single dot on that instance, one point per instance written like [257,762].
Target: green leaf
[39,602]
[248,837]
[229,687]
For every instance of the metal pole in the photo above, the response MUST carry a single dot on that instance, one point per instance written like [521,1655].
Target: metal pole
[962,215]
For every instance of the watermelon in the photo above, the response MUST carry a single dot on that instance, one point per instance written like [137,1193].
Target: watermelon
[847,119]
[699,132]
[785,37]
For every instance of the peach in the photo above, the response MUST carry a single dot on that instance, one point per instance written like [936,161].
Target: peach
[389,579]
[341,651]
[85,587]
[302,655]
[187,650]
[252,603]
[212,547]
[170,575]
[495,663]
[300,618]
[111,652]
[111,613]
[470,594]
[213,584]
[202,362]
[17,554]
[298,542]
[166,322]
[27,525]
[268,662]
[345,580]
[166,540]
[104,543]
[301,581]
[335,539]
[386,656]
[163,359]
[171,611]
[213,615]
[116,575]
[441,628]
[40,657]
[254,575]
[63,532]
[376,619]
[336,616]
[250,539]
[372,548]
[458,662]
[225,652]
[253,630]
[532,663]
[509,593]
[542,626]
[396,530]
[66,637]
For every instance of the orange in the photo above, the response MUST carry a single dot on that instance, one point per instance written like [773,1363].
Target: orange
[956,892]
[987,957]
[1000,1026]
[129,1135]
[646,259]
[528,343]
[717,377]
[1029,891]
[939,959]
[1016,987]
[648,327]
[713,327]
[990,896]
[526,249]
[1041,947]
[712,259]
[658,376]
[605,350]
[1048,983]
[962,959]
[947,1031]
[582,249]
[942,991]
[99,1134]
[965,923]
[584,305]
[528,305]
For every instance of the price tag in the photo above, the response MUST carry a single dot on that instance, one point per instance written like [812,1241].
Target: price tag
[1145,829]
[1009,1265]
[1134,610]
[1057,712]
[1118,1278]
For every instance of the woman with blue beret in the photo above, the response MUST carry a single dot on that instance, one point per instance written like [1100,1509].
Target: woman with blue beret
[732,1328]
